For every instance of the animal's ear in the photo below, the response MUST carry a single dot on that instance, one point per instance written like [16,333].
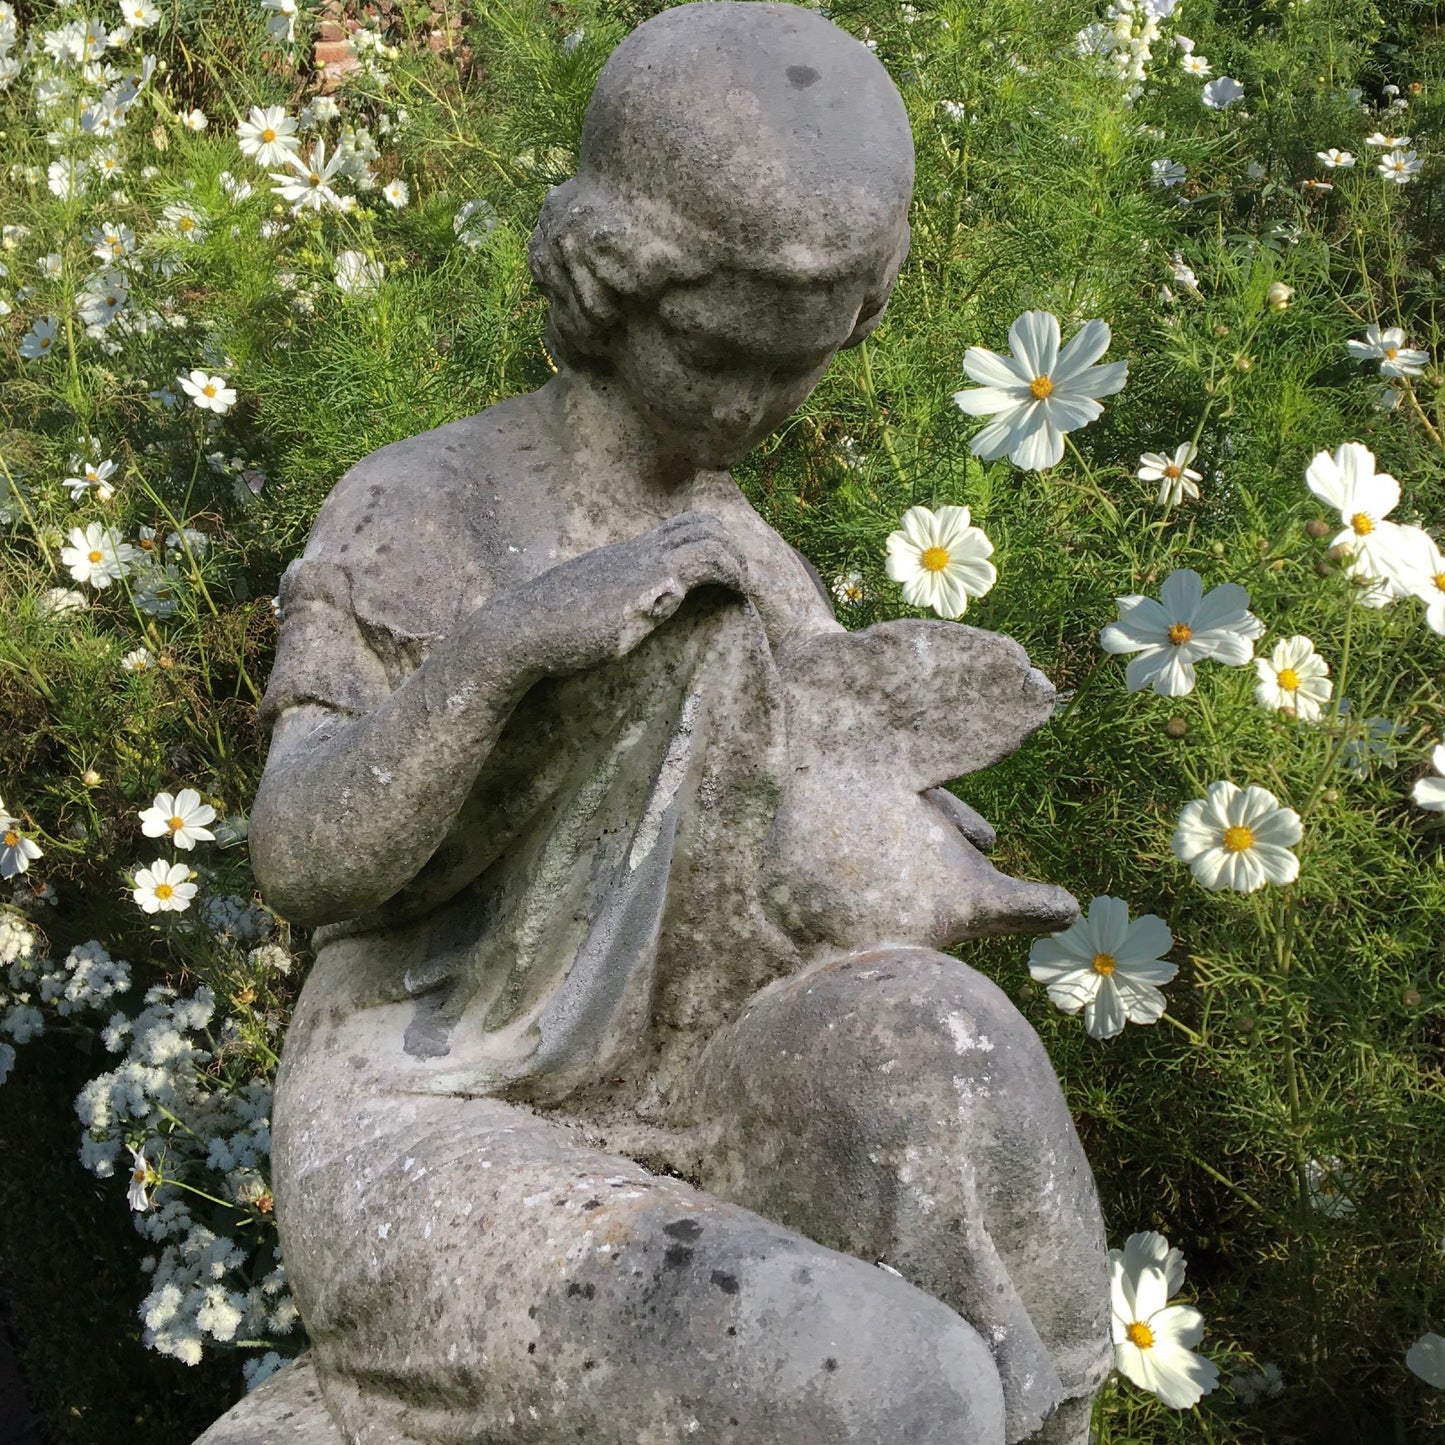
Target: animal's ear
[927,701]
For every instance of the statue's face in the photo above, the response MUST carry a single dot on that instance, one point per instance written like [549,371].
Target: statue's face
[716,367]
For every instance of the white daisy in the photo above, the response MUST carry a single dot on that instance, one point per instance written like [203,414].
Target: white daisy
[163,887]
[1182,628]
[1294,678]
[1335,159]
[195,120]
[268,136]
[40,339]
[1193,64]
[210,393]
[1152,1338]
[139,659]
[1107,966]
[17,852]
[1039,393]
[940,560]
[397,194]
[1176,479]
[97,555]
[1364,498]
[1430,792]
[1238,838]
[1388,348]
[182,818]
[1426,1358]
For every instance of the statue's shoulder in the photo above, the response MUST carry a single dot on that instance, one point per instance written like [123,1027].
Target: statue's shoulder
[422,527]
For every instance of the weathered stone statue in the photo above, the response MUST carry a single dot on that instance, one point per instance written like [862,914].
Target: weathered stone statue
[628,1057]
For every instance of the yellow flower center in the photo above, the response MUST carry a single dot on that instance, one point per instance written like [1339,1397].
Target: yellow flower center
[96,556]
[1180,633]
[209,389]
[164,890]
[313,178]
[268,135]
[138,1174]
[45,342]
[1140,1334]
[1104,964]
[1362,523]
[1238,838]
[934,559]
[1288,679]
[1390,353]
[176,824]
[12,839]
[1041,387]
[1439,580]
[185,223]
[1172,472]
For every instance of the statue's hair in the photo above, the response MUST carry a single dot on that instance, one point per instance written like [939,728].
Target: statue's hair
[596,256]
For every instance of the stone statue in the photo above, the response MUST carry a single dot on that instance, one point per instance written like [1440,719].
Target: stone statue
[629,1099]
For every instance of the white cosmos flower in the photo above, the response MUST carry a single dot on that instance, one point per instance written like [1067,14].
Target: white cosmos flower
[1364,499]
[1425,576]
[1153,1339]
[137,660]
[1335,159]
[1150,1249]
[1176,479]
[356,275]
[1294,678]
[182,818]
[850,589]
[1222,92]
[1166,173]
[1401,167]
[97,555]
[210,393]
[397,194]
[1039,393]
[1388,348]
[40,339]
[268,135]
[1193,64]
[163,887]
[1182,628]
[940,560]
[93,474]
[139,14]
[1328,1184]
[141,1176]
[1238,838]
[17,852]
[1430,792]
[1107,966]
[195,120]
[1387,142]
[309,188]
[185,221]
[1426,1358]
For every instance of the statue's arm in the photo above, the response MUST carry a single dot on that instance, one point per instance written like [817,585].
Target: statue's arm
[356,798]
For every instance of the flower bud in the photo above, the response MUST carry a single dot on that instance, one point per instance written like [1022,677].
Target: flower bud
[1410,997]
[1176,727]
[1279,296]
[1317,528]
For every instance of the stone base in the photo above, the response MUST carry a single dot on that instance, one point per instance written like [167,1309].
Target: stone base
[286,1410]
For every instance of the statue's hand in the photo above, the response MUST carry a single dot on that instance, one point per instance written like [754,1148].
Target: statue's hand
[597,607]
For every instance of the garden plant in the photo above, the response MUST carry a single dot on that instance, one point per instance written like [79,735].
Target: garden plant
[1160,393]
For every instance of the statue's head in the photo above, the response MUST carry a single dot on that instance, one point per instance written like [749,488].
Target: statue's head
[739,216]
